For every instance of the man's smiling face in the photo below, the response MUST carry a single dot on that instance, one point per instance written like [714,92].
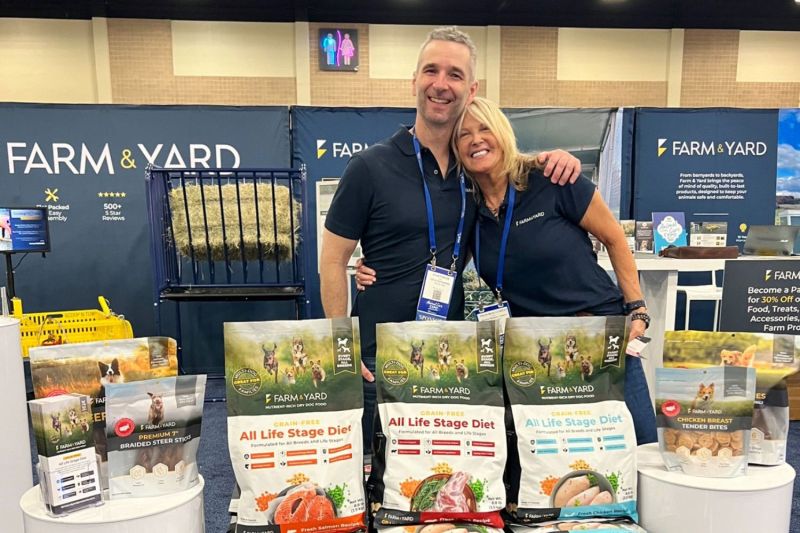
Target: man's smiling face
[443,82]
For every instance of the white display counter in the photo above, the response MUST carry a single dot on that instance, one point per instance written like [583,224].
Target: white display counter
[673,502]
[658,278]
[15,460]
[180,512]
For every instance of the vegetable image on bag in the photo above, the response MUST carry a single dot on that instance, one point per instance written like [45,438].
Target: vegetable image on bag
[573,450]
[295,401]
[704,417]
[774,358]
[441,451]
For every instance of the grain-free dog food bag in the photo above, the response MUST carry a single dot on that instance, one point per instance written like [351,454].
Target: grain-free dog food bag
[440,452]
[574,451]
[153,433]
[295,401]
[704,416]
[774,357]
[86,368]
[597,525]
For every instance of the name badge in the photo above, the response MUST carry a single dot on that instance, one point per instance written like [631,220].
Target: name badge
[437,289]
[496,311]
[637,346]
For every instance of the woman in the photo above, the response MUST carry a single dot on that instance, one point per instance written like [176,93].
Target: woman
[542,261]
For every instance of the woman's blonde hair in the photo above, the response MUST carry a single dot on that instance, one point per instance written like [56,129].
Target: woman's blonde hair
[516,164]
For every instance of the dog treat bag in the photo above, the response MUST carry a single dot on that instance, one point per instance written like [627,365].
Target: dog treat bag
[598,525]
[774,357]
[441,451]
[86,368]
[574,454]
[295,402]
[704,416]
[153,433]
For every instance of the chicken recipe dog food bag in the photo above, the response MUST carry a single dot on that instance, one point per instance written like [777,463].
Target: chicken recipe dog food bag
[575,448]
[153,432]
[774,357]
[88,367]
[295,402]
[704,417]
[440,454]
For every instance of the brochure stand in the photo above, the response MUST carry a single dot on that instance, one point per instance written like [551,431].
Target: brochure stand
[15,459]
[182,511]
[674,502]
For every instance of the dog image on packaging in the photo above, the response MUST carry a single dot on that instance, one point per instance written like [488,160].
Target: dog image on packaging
[704,417]
[573,451]
[774,358]
[441,450]
[68,474]
[153,433]
[296,443]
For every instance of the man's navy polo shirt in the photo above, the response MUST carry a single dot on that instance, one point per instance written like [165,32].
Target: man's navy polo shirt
[550,267]
[380,200]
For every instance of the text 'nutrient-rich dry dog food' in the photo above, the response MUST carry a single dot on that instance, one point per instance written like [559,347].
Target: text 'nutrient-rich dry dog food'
[704,417]
[87,368]
[441,450]
[574,455]
[295,402]
[153,432]
[774,357]
[68,475]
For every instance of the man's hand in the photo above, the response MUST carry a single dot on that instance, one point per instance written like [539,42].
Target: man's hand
[638,329]
[365,276]
[365,373]
[560,166]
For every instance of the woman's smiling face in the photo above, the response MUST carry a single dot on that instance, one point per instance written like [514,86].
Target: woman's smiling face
[478,149]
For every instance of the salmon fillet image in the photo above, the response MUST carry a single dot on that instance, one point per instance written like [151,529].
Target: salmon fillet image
[303,504]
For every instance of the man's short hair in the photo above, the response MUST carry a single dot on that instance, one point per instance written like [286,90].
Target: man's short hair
[454,35]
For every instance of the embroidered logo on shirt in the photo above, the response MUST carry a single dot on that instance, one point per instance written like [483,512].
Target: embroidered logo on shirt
[525,220]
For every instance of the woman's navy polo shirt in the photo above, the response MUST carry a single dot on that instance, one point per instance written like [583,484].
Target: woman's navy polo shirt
[550,267]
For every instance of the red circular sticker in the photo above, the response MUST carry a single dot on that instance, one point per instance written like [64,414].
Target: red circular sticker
[671,408]
[124,427]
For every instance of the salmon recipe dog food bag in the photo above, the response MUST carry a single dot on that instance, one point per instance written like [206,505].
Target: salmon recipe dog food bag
[704,416]
[295,402]
[440,452]
[774,357]
[574,455]
[153,432]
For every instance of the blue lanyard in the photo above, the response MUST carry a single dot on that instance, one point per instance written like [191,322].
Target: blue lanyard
[429,209]
[501,260]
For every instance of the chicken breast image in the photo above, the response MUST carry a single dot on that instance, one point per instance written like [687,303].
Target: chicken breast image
[584,498]
[571,487]
[450,498]
[602,499]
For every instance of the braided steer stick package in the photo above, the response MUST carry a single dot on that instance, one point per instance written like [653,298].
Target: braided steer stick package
[574,450]
[440,452]
[295,402]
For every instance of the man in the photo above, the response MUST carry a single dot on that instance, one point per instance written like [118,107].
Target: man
[380,200]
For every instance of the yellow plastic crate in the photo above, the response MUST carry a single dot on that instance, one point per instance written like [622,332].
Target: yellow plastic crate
[61,327]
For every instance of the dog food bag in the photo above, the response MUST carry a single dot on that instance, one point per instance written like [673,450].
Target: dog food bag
[86,368]
[704,416]
[574,455]
[153,433]
[597,525]
[68,474]
[774,357]
[442,527]
[441,451]
[295,402]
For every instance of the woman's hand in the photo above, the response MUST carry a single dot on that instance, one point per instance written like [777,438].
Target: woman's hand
[365,276]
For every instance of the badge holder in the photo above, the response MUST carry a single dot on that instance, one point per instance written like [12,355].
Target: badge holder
[437,289]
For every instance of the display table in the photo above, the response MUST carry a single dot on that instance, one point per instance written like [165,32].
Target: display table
[182,512]
[658,278]
[673,502]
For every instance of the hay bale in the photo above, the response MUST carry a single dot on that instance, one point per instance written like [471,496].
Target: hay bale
[252,233]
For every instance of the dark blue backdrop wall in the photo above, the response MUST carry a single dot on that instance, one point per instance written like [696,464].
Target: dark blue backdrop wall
[87,164]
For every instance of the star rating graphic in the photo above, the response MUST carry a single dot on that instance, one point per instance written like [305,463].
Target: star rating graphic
[111,195]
